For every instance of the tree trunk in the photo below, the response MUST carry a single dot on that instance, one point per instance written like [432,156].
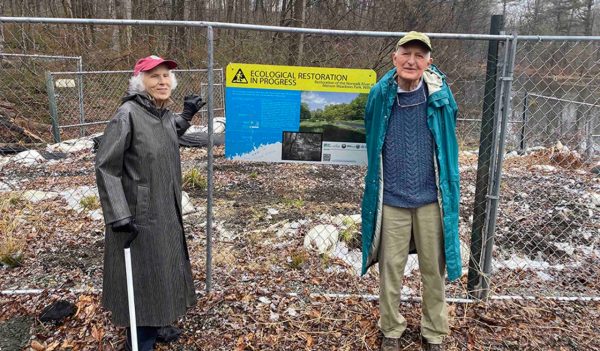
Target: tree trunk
[297,40]
[588,19]
[127,8]
[113,10]
[1,29]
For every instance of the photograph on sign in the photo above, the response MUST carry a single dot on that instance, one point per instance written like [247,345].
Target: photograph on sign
[301,146]
[296,114]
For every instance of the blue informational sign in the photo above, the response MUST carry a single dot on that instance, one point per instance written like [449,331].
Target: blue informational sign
[296,114]
[257,117]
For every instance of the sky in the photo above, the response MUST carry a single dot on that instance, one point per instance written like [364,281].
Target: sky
[318,99]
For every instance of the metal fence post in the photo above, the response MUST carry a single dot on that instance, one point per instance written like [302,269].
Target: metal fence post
[483,166]
[494,196]
[80,85]
[52,105]
[522,144]
[209,176]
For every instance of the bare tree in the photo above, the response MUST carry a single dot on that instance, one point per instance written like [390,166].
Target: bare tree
[127,9]
[297,41]
[113,10]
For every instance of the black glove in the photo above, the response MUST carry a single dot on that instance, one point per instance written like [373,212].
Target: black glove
[191,105]
[126,225]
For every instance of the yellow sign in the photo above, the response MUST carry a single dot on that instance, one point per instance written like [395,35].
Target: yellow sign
[342,80]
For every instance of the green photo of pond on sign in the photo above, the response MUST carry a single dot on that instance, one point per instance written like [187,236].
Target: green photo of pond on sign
[338,116]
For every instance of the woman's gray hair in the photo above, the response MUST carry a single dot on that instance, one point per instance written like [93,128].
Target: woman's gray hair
[136,83]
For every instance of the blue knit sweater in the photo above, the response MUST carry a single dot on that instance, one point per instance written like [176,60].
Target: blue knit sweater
[408,170]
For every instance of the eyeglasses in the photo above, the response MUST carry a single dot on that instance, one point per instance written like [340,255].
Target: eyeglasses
[415,104]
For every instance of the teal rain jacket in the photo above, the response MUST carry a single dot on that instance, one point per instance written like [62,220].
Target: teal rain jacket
[441,119]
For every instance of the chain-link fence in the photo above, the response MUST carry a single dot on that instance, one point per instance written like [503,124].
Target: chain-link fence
[296,227]
[23,97]
[548,224]
[79,112]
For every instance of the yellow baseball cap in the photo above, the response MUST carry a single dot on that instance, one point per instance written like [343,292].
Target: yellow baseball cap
[412,35]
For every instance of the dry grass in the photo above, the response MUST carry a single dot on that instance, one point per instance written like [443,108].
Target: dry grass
[194,179]
[90,203]
[12,244]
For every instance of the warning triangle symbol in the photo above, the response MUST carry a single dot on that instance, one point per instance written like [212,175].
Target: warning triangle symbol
[239,77]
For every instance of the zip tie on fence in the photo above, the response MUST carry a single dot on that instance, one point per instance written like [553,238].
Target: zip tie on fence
[368,297]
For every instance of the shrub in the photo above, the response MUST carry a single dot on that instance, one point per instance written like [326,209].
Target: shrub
[297,259]
[11,250]
[89,203]
[193,179]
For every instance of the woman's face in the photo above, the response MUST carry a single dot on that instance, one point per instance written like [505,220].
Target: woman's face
[158,83]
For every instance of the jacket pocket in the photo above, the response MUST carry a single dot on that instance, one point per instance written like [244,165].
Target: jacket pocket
[142,205]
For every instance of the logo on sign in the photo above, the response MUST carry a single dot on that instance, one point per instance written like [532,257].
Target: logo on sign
[239,77]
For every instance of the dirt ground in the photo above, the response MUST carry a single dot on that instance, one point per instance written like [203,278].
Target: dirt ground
[270,293]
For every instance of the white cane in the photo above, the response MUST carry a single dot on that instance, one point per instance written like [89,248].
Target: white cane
[130,299]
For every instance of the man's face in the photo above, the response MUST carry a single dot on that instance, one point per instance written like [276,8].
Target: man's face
[411,60]
[158,83]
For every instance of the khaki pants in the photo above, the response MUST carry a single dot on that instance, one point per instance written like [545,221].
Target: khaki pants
[425,223]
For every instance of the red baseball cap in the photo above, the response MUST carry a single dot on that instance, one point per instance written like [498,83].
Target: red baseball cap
[148,63]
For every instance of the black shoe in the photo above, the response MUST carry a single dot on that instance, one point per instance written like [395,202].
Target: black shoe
[168,334]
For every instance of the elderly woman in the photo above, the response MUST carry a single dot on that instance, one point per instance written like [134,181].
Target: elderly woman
[138,172]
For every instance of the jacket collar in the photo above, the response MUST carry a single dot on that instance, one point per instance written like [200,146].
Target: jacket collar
[433,77]
[147,102]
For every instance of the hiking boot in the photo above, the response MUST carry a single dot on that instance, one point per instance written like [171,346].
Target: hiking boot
[389,344]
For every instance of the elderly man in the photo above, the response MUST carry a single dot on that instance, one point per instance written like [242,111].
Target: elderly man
[412,188]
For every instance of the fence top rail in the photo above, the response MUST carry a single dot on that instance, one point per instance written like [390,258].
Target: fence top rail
[223,25]
[558,37]
[58,57]
[131,71]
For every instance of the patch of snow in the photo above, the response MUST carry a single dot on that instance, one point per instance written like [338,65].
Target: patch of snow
[224,233]
[291,312]
[468,168]
[588,250]
[96,215]
[595,199]
[535,148]
[218,127]
[351,257]
[72,145]
[37,196]
[4,187]
[346,221]
[511,155]
[517,262]
[264,300]
[288,229]
[3,160]
[544,168]
[525,263]
[406,291]
[321,238]
[29,157]
[186,205]
[272,211]
[74,196]
[412,264]
[544,276]
[565,247]
[465,251]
